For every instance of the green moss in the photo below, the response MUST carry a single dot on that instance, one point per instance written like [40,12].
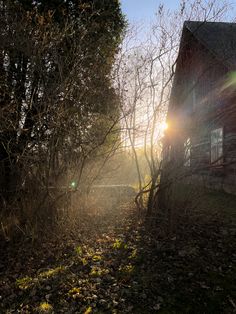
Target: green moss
[24,283]
[45,308]
[96,258]
[51,272]
[79,250]
[118,244]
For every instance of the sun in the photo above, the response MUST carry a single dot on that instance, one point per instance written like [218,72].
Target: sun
[163,126]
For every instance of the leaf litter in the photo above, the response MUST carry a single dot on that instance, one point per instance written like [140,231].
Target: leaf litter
[122,267]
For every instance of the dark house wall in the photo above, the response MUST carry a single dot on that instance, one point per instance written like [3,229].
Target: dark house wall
[203,99]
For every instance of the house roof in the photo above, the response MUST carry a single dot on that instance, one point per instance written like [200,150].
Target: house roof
[218,37]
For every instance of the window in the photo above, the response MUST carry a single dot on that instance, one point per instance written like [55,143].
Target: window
[169,153]
[217,146]
[187,152]
[166,153]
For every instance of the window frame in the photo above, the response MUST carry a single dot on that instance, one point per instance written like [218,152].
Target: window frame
[217,147]
[187,152]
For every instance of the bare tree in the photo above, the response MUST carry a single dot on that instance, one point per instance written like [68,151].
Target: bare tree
[144,80]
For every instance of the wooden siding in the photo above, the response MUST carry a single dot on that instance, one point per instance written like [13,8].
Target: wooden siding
[202,79]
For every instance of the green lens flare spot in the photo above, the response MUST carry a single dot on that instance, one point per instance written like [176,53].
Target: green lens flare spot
[73,184]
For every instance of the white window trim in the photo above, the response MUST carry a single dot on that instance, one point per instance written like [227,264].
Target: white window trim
[187,152]
[217,146]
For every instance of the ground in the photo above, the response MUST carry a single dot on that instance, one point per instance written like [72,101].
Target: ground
[115,263]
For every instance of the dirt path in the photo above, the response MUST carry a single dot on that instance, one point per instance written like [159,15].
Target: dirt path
[114,265]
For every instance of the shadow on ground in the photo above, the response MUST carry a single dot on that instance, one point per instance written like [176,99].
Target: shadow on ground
[116,264]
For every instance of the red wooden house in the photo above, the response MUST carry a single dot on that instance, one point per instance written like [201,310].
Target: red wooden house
[201,138]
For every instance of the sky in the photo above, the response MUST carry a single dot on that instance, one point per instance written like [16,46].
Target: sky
[142,13]
[144,10]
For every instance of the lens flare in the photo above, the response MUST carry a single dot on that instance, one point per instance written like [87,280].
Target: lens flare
[73,184]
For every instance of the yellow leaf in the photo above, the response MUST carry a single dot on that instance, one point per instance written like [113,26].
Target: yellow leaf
[88,311]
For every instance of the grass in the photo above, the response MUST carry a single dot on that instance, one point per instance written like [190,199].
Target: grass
[221,202]
[206,201]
